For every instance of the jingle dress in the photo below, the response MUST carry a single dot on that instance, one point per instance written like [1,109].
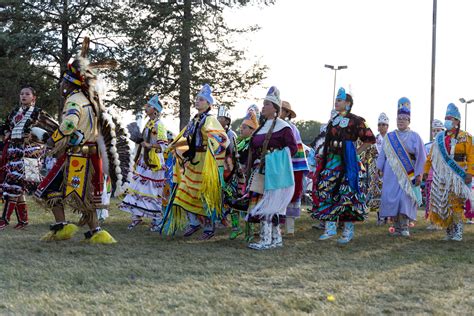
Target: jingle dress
[337,193]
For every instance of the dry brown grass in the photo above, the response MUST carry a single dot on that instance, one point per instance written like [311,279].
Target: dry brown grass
[147,274]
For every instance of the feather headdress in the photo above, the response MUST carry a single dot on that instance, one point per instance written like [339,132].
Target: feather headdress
[113,141]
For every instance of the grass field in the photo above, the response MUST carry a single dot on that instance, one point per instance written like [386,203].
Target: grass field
[147,274]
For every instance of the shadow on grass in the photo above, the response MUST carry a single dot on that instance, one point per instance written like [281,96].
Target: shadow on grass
[148,273]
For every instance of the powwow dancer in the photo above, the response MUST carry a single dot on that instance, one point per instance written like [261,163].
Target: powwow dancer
[338,195]
[21,158]
[452,160]
[271,181]
[87,136]
[145,195]
[300,169]
[314,158]
[317,149]
[436,127]
[103,213]
[401,161]
[225,119]
[318,145]
[170,161]
[236,191]
[2,136]
[198,193]
[375,187]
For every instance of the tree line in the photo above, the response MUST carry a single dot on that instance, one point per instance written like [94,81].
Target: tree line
[308,129]
[170,48]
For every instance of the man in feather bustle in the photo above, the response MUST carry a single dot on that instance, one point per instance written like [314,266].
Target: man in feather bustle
[451,159]
[82,143]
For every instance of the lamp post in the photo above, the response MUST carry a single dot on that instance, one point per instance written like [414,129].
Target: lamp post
[465,110]
[335,68]
[433,62]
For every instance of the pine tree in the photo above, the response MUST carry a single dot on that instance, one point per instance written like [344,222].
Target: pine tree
[173,49]
[46,34]
[162,47]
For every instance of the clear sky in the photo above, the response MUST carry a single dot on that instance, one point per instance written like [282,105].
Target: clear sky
[386,45]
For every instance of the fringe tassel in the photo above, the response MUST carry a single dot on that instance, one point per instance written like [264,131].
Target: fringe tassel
[48,204]
[446,196]
[452,182]
[437,219]
[273,202]
[439,198]
[166,222]
[175,219]
[67,232]
[211,185]
[403,181]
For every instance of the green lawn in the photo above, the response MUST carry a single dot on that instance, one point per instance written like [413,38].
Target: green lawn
[147,274]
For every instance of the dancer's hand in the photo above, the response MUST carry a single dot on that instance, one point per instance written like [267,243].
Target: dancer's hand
[417,180]
[468,178]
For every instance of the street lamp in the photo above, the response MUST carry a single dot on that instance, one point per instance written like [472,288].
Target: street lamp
[433,62]
[335,68]
[465,110]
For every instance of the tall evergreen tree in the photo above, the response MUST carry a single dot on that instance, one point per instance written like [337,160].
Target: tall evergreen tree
[46,34]
[174,48]
[308,130]
[170,48]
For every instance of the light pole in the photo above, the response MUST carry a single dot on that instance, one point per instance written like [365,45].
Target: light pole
[465,110]
[433,63]
[335,68]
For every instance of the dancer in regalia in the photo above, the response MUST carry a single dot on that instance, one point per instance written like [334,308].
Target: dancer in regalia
[314,159]
[197,199]
[271,178]
[224,118]
[21,158]
[145,195]
[452,160]
[236,191]
[401,162]
[337,194]
[375,187]
[87,137]
[436,127]
[300,169]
